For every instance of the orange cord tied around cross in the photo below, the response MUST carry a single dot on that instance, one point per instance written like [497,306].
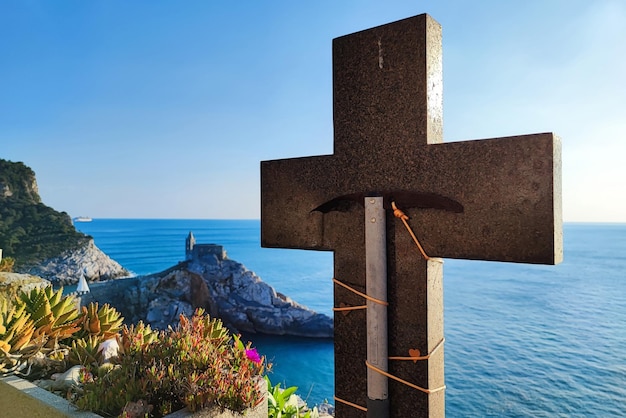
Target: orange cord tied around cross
[404,218]
[407,383]
[397,379]
[343,401]
[416,358]
[363,295]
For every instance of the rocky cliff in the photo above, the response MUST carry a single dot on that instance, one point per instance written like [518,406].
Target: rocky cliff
[223,287]
[41,240]
[87,260]
[18,181]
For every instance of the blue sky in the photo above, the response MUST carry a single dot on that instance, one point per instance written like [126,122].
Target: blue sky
[163,109]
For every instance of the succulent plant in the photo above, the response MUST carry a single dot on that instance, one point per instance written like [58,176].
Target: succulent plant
[16,327]
[104,323]
[197,364]
[136,338]
[84,351]
[16,333]
[55,316]
[204,327]
[39,328]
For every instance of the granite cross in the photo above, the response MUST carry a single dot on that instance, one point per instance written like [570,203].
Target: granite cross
[492,199]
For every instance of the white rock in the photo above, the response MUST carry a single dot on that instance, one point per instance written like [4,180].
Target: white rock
[109,349]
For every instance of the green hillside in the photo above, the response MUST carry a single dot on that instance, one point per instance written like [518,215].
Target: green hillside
[29,230]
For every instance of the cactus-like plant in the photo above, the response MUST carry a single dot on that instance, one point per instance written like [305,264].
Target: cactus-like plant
[16,332]
[16,327]
[84,351]
[55,316]
[104,323]
[38,328]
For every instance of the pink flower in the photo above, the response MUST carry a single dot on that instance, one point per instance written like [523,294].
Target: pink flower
[253,355]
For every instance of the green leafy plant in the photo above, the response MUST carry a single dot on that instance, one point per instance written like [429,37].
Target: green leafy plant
[16,327]
[283,403]
[95,326]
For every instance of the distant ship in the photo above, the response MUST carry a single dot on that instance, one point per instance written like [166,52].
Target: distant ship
[82,219]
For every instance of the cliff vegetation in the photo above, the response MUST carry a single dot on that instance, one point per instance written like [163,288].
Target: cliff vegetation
[29,230]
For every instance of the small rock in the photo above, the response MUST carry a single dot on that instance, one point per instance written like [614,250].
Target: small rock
[108,349]
[62,381]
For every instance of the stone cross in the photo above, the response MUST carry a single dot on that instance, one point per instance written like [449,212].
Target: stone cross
[492,199]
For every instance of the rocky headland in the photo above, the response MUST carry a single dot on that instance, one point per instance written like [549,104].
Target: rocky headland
[41,240]
[224,288]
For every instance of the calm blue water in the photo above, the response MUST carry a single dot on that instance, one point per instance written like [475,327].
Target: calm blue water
[521,341]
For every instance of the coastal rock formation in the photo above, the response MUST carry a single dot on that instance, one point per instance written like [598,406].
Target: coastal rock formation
[88,260]
[247,303]
[224,288]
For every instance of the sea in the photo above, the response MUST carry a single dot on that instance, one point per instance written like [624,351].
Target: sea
[521,340]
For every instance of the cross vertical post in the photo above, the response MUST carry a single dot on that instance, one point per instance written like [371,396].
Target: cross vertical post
[493,199]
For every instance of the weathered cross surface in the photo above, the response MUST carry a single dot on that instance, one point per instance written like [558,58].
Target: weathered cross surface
[493,199]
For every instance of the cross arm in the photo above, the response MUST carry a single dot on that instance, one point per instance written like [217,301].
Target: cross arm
[508,189]
[289,188]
